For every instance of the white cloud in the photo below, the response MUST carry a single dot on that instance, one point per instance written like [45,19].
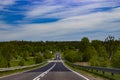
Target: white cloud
[99,21]
[73,11]
[4,3]
[38,10]
[53,8]
[74,20]
[49,9]
[3,25]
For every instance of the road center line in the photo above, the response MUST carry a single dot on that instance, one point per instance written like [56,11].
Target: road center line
[44,73]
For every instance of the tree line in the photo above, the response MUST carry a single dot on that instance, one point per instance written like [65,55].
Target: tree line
[98,53]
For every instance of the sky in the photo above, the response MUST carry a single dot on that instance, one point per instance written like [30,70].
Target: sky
[59,20]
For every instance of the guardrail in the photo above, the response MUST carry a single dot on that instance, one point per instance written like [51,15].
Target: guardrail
[19,67]
[111,70]
[103,69]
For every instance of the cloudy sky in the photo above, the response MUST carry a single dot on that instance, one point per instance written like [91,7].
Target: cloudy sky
[59,19]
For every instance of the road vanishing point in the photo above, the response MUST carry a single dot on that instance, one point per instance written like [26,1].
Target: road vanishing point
[54,70]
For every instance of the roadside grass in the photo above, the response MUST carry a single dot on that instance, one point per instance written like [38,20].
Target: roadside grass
[104,75]
[29,61]
[5,73]
[14,63]
[107,75]
[98,75]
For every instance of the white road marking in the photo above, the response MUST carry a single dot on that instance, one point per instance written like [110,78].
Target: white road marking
[76,72]
[55,61]
[38,79]
[20,72]
[44,73]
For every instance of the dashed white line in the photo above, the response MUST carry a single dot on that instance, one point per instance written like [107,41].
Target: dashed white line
[44,73]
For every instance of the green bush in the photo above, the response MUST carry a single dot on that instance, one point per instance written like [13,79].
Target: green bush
[38,58]
[22,62]
[99,61]
[3,62]
[72,56]
[115,62]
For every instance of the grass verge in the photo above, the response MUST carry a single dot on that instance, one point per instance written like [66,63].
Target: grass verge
[92,75]
[5,73]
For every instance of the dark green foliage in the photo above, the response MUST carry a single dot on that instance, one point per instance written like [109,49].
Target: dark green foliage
[22,62]
[3,62]
[17,50]
[116,60]
[88,53]
[86,49]
[100,59]
[84,44]
[72,56]
[111,46]
[98,53]
[47,54]
[25,55]
[38,58]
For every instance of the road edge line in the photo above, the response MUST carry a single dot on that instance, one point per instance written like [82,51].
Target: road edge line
[75,72]
[20,72]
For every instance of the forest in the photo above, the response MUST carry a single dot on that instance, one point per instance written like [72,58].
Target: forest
[104,53]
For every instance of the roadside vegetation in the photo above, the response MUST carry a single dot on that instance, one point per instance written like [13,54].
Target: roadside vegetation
[93,74]
[96,52]
[91,53]
[4,73]
[23,53]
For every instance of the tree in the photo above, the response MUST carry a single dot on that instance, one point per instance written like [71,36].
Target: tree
[47,54]
[25,55]
[115,62]
[3,62]
[97,44]
[72,56]
[84,44]
[111,46]
[88,53]
[22,62]
[7,53]
[93,61]
[38,58]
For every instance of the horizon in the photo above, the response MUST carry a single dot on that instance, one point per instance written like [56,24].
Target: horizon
[53,20]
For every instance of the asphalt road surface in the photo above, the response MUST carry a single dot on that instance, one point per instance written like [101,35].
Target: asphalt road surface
[52,71]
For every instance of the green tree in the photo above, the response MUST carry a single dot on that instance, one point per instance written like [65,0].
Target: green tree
[3,62]
[100,59]
[111,46]
[84,44]
[72,56]
[22,62]
[88,53]
[38,58]
[47,54]
[7,53]
[25,55]
[93,61]
[115,62]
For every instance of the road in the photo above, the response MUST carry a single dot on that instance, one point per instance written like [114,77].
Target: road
[53,71]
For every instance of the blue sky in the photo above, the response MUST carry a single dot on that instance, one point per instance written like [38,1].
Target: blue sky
[59,19]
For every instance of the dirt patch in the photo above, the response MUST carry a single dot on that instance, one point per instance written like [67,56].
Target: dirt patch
[82,63]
